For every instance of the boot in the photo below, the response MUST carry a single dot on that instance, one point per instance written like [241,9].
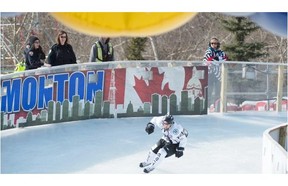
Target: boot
[159,157]
[150,158]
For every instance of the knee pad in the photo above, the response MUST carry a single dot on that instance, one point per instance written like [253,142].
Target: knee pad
[160,144]
[170,149]
[167,148]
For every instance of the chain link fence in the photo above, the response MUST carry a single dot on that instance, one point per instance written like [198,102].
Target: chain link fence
[250,86]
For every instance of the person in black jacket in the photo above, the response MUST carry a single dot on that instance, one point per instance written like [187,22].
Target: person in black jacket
[62,52]
[27,47]
[35,55]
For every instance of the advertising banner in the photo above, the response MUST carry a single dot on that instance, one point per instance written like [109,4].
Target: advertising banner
[103,93]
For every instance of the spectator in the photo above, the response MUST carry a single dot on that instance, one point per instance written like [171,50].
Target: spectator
[27,47]
[62,52]
[21,66]
[211,58]
[35,55]
[102,50]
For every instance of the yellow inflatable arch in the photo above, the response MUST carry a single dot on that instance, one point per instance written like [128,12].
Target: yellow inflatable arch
[114,24]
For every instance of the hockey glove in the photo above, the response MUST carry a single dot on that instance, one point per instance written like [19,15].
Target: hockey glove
[179,152]
[149,128]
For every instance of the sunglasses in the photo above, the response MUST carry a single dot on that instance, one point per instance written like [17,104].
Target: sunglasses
[215,43]
[63,37]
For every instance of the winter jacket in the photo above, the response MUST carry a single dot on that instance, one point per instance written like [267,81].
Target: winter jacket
[61,55]
[211,59]
[34,57]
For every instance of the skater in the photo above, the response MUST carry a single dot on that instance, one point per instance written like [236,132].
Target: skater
[173,141]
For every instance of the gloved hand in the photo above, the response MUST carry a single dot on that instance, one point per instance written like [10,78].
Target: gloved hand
[150,128]
[179,152]
[216,58]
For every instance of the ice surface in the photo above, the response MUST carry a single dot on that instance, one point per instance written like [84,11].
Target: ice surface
[229,143]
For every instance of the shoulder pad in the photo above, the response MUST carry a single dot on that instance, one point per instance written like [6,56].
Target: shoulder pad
[176,129]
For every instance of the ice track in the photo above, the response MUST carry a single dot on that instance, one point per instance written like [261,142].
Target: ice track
[217,143]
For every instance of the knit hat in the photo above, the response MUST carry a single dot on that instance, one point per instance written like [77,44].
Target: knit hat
[32,39]
[104,40]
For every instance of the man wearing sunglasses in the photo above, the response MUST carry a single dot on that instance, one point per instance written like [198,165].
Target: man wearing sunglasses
[173,141]
[211,58]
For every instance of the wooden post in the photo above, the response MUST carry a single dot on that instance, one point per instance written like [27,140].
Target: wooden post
[280,88]
[223,101]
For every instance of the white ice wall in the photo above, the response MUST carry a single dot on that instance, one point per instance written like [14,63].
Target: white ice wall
[274,156]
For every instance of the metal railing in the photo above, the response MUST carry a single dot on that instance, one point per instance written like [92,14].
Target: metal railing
[258,82]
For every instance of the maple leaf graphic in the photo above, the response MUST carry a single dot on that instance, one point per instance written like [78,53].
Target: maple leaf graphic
[145,91]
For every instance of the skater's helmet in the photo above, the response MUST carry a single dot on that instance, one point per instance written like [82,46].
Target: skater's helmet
[169,119]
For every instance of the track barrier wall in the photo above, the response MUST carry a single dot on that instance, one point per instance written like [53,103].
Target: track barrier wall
[274,154]
[102,90]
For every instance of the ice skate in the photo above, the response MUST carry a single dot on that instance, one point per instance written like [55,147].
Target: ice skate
[148,169]
[159,157]
[144,164]
[150,158]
